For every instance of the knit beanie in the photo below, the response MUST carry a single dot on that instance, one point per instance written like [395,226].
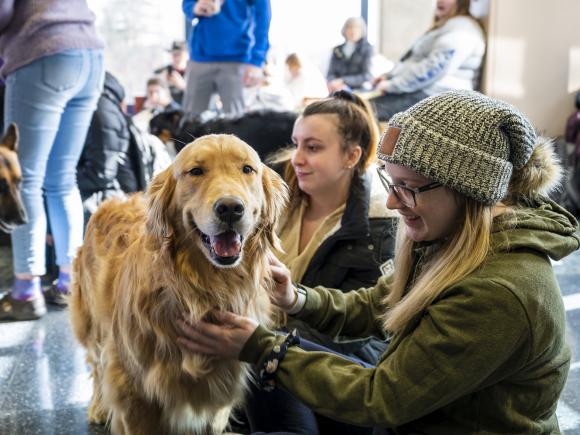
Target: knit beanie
[462,139]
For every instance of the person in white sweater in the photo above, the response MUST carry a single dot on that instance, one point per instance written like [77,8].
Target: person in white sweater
[447,57]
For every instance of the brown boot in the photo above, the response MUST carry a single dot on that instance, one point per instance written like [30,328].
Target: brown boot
[14,309]
[55,297]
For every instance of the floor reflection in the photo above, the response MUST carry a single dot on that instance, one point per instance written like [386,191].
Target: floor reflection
[45,385]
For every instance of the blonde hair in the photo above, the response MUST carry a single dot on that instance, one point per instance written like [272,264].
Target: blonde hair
[410,295]
[449,264]
[356,125]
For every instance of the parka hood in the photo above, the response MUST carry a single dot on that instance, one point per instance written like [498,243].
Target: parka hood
[549,229]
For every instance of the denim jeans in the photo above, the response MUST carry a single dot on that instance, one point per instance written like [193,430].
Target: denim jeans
[52,100]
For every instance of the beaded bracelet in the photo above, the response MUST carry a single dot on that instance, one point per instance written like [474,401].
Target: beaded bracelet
[266,375]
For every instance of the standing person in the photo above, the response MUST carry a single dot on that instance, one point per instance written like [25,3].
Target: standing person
[228,47]
[447,57]
[54,75]
[174,73]
[478,322]
[350,63]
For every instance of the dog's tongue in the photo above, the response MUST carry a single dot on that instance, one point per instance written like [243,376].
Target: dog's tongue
[226,244]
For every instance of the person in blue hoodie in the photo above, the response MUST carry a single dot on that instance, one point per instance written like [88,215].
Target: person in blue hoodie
[228,47]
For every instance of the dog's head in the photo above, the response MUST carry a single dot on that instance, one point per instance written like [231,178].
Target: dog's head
[218,194]
[12,212]
[165,125]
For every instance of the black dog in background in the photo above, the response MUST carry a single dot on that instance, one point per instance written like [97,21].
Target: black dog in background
[265,130]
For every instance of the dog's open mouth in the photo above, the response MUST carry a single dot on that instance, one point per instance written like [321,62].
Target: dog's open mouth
[225,248]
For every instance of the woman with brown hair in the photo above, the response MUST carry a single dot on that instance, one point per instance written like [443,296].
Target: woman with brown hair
[336,233]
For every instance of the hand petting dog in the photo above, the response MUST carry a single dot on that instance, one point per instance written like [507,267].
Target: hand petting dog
[226,334]
[225,338]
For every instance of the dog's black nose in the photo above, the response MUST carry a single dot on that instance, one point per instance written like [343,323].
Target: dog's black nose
[229,210]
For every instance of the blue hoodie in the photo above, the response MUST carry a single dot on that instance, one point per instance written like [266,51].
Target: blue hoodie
[239,33]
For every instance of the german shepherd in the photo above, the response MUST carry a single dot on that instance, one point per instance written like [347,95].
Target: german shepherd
[12,212]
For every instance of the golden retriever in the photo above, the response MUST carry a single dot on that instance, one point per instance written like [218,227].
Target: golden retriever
[197,240]
[12,211]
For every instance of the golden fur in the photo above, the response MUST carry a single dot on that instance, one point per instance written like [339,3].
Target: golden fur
[12,211]
[144,265]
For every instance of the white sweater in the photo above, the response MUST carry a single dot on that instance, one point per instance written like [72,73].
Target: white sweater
[443,59]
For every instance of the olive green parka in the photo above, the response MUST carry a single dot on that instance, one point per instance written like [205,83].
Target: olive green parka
[488,356]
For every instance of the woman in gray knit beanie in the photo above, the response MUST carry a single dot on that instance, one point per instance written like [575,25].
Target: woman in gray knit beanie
[473,308]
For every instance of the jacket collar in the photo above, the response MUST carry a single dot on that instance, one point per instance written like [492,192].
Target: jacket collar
[355,218]
[367,200]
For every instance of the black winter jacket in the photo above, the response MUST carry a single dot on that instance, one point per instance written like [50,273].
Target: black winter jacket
[117,158]
[354,70]
[105,167]
[350,258]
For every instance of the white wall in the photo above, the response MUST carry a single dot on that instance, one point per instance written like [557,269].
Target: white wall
[533,58]
[403,21]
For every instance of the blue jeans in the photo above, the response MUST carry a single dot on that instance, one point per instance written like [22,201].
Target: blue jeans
[52,100]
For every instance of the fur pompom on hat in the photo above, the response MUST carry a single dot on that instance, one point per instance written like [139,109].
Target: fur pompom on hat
[540,176]
[473,144]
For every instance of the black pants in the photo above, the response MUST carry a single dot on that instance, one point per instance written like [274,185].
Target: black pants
[279,412]
[388,104]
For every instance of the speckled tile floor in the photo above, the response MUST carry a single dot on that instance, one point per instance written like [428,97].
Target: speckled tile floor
[45,385]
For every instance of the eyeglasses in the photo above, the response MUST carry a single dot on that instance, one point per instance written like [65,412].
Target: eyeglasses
[403,193]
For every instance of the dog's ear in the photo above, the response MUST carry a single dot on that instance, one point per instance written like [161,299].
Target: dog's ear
[276,197]
[10,139]
[160,198]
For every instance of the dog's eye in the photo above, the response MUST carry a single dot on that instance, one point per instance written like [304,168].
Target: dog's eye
[196,172]
[248,169]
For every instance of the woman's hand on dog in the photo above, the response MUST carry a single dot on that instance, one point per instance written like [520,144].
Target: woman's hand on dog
[225,338]
[284,295]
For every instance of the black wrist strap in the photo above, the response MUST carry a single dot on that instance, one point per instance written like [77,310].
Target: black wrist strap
[266,374]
